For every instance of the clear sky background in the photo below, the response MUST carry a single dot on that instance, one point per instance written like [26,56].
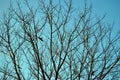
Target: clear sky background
[109,7]
[100,7]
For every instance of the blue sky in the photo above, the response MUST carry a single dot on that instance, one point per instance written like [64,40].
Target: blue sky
[109,7]
[100,7]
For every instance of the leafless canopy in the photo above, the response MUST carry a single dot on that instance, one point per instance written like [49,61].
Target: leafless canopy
[55,41]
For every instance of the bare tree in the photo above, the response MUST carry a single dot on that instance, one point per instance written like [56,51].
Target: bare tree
[53,41]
